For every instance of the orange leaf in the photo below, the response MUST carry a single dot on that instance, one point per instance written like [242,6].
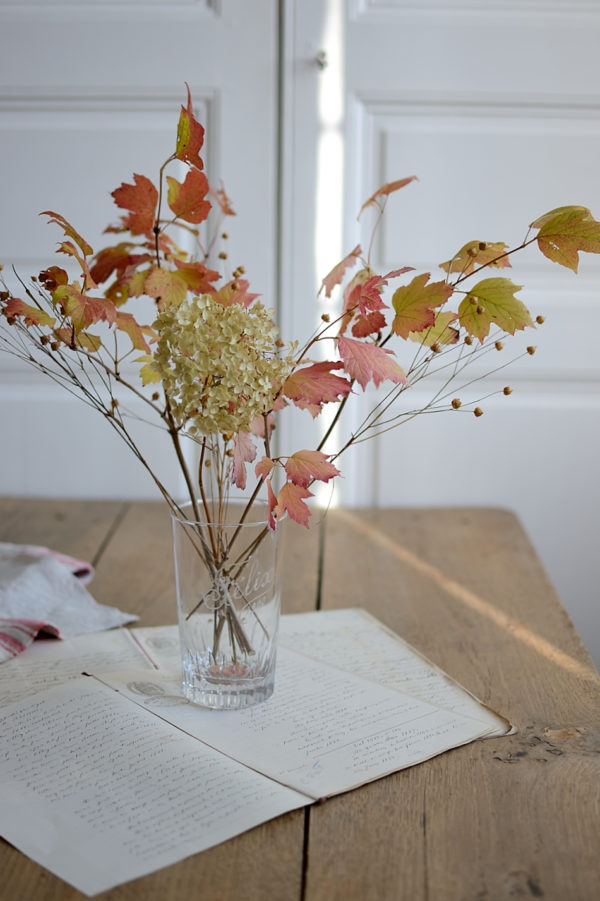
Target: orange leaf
[140,199]
[386,190]
[69,231]
[197,276]
[82,309]
[305,466]
[187,198]
[316,385]
[190,135]
[14,306]
[364,362]
[336,275]
[70,249]
[125,322]
[291,498]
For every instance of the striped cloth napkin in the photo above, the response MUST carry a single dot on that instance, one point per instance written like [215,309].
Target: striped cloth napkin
[44,591]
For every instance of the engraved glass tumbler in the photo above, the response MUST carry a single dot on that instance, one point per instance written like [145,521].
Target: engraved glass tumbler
[227,576]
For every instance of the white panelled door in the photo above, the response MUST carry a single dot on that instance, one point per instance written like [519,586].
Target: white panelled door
[495,106]
[90,93]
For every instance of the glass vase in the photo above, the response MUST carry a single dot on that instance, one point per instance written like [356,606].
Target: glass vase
[227,576]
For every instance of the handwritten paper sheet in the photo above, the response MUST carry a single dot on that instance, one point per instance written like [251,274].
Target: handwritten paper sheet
[99,791]
[355,641]
[50,662]
[322,732]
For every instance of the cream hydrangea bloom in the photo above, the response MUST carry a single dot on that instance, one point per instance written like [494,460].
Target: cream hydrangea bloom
[219,364]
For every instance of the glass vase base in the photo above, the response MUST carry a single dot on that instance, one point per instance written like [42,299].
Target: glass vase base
[225,694]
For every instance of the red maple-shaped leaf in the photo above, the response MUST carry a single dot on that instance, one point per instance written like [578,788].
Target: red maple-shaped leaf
[125,322]
[387,189]
[244,452]
[336,275]
[291,498]
[235,291]
[305,466]
[187,199]
[362,296]
[316,384]
[190,135]
[140,199]
[364,362]
[82,309]
[264,468]
[115,258]
[197,276]
[14,306]
[415,304]
[366,296]
[370,324]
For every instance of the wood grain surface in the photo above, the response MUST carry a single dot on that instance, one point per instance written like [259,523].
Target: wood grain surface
[517,816]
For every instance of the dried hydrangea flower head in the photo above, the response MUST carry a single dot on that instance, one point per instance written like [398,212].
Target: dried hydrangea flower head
[219,365]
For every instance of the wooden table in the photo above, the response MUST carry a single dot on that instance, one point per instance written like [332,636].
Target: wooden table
[510,817]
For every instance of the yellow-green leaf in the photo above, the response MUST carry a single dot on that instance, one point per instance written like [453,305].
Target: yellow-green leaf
[148,372]
[493,302]
[441,332]
[565,231]
[415,304]
[166,286]
[477,253]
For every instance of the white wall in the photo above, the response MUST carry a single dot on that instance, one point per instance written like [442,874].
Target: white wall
[494,105]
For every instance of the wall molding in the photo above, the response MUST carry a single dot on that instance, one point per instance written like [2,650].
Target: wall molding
[381,11]
[26,8]
[117,98]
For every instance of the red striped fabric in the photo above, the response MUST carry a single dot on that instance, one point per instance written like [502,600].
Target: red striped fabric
[17,634]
